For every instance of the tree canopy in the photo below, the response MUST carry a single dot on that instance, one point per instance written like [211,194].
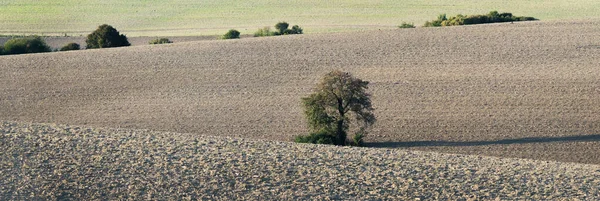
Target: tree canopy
[106,36]
[339,100]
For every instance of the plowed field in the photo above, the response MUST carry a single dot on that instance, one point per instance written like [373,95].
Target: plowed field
[526,90]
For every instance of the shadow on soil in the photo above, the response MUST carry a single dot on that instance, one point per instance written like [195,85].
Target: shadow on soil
[576,138]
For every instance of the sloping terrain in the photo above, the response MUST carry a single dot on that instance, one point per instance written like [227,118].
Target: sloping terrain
[514,90]
[50,162]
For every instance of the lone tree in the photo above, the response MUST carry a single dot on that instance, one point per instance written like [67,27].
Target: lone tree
[106,36]
[338,99]
[281,27]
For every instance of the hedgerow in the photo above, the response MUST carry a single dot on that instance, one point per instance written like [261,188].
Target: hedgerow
[492,17]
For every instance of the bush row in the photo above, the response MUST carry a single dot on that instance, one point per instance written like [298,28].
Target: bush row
[106,36]
[492,17]
[282,29]
[103,37]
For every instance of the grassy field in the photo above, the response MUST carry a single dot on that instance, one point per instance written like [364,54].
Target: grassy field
[525,90]
[212,17]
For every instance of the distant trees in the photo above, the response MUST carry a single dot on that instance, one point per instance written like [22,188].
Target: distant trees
[282,29]
[231,34]
[492,17]
[266,31]
[25,45]
[105,37]
[295,30]
[70,46]
[160,41]
[338,99]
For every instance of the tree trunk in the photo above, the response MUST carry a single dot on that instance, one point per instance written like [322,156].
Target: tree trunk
[341,134]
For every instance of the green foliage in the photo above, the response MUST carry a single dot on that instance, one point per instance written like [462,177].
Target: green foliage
[295,30]
[266,31]
[105,37]
[282,27]
[322,137]
[70,46]
[231,34]
[338,99]
[492,17]
[160,41]
[405,25]
[357,140]
[1,50]
[30,44]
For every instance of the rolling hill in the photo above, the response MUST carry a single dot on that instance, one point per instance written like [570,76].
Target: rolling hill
[525,90]
[65,162]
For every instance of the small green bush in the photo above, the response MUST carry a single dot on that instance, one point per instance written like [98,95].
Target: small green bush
[105,37]
[321,137]
[231,34]
[357,140]
[70,46]
[160,41]
[296,30]
[31,44]
[264,32]
[406,25]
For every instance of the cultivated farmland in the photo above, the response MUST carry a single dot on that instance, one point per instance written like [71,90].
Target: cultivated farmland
[60,162]
[526,90]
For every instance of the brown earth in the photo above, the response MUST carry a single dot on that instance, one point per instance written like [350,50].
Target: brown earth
[525,90]
[66,162]
[58,42]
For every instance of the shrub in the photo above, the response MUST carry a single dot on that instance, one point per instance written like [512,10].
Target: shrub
[264,32]
[105,37]
[357,140]
[295,30]
[321,137]
[70,46]
[231,34]
[1,50]
[160,41]
[436,23]
[31,44]
[406,25]
[282,27]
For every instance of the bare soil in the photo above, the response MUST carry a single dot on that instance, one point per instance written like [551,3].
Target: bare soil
[527,90]
[62,162]
[57,42]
